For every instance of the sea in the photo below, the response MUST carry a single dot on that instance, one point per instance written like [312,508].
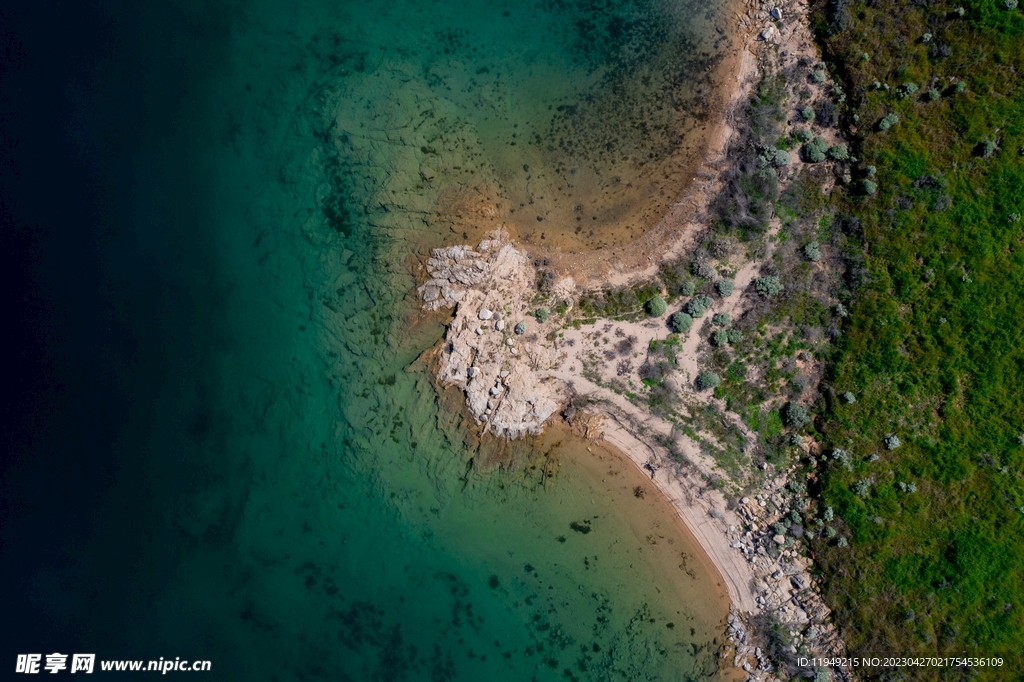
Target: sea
[222,440]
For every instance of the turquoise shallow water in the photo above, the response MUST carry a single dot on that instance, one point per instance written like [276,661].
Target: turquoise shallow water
[290,500]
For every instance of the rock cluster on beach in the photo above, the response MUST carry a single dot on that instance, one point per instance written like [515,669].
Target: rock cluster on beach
[489,288]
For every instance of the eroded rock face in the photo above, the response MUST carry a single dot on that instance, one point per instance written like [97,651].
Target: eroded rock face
[486,286]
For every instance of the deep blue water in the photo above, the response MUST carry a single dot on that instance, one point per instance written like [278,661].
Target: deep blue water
[217,442]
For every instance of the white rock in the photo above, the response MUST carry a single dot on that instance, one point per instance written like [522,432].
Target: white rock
[779,539]
[485,314]
[513,351]
[503,373]
[499,325]
[478,331]
[510,342]
[473,371]
[745,500]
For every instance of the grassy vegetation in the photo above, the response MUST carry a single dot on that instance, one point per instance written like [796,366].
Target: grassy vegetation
[932,348]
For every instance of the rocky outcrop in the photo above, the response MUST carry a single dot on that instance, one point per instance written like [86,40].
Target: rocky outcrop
[489,289]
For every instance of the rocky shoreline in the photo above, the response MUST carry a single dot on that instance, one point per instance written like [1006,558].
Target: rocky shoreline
[518,371]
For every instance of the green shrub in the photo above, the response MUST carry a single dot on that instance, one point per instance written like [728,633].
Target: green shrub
[520,328]
[849,398]
[795,415]
[892,441]
[812,251]
[933,94]
[987,147]
[907,89]
[862,488]
[541,314]
[803,135]
[735,335]
[706,380]
[688,288]
[1010,4]
[720,338]
[926,38]
[807,113]
[869,186]
[721,319]
[698,305]
[814,151]
[838,152]
[768,286]
[888,121]
[781,158]
[724,287]
[680,322]
[819,76]
[656,307]
[961,86]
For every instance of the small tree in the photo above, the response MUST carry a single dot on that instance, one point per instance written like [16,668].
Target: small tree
[888,121]
[768,286]
[656,307]
[721,319]
[680,322]
[795,415]
[724,287]
[706,380]
[698,305]
[838,152]
[812,251]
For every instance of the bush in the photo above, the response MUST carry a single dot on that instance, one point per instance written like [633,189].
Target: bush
[721,319]
[1010,4]
[933,94]
[987,147]
[795,415]
[888,121]
[720,338]
[838,152]
[849,398]
[541,314]
[807,113]
[828,515]
[872,171]
[703,269]
[961,86]
[520,328]
[680,322]
[724,287]
[819,76]
[869,186]
[812,251]
[768,286]
[656,307]
[706,380]
[862,488]
[814,151]
[735,335]
[688,288]
[926,38]
[697,306]
[907,89]
[781,157]
[827,114]
[803,135]
[892,442]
